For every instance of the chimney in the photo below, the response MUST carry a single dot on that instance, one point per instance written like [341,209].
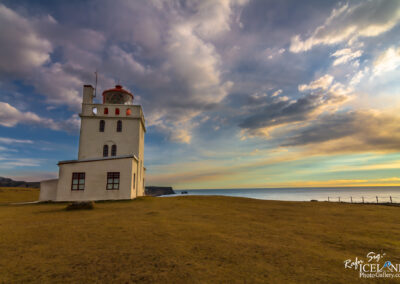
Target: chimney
[88,93]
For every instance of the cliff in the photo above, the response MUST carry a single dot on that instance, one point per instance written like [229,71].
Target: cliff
[158,190]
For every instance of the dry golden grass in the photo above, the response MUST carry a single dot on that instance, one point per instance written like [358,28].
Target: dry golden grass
[18,194]
[193,239]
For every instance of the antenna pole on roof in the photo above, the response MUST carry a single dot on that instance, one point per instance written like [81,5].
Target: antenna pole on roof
[95,85]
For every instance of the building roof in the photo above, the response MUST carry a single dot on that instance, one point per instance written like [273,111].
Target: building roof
[97,159]
[118,88]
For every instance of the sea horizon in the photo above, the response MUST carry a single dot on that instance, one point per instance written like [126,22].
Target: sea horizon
[296,187]
[342,194]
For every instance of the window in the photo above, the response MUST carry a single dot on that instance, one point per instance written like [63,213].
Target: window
[94,110]
[134,180]
[105,151]
[112,180]
[106,110]
[78,181]
[114,150]
[117,111]
[119,126]
[128,111]
[102,125]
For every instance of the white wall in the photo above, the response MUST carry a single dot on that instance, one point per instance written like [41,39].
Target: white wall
[91,140]
[48,190]
[96,180]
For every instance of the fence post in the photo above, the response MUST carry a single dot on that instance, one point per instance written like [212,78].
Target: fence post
[339,198]
[391,199]
[363,199]
[377,200]
[351,199]
[328,198]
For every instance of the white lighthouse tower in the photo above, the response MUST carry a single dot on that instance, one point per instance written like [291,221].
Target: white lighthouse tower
[110,158]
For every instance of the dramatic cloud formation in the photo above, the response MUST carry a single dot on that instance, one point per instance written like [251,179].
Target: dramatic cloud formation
[249,87]
[354,131]
[22,48]
[272,111]
[10,116]
[349,22]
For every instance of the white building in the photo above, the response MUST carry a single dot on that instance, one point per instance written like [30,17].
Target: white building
[110,158]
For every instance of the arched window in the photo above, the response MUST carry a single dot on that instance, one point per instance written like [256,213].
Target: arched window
[119,126]
[105,151]
[106,110]
[94,110]
[102,125]
[117,111]
[128,111]
[114,150]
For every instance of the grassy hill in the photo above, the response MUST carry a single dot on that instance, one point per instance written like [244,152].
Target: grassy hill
[191,239]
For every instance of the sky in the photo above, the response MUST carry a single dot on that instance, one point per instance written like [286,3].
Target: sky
[236,93]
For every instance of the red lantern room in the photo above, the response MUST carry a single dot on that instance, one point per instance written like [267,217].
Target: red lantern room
[117,95]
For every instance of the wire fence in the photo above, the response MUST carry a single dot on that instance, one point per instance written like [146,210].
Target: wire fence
[365,199]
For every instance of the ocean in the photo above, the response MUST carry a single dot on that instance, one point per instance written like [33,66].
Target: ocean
[346,194]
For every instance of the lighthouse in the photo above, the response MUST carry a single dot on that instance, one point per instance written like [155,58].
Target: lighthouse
[110,155]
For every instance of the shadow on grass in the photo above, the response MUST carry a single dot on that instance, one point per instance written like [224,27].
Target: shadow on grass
[137,199]
[66,205]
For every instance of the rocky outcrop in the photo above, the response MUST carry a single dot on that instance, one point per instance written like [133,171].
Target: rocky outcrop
[158,190]
[7,182]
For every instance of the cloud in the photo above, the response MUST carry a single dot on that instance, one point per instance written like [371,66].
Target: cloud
[186,78]
[280,112]
[272,53]
[181,135]
[177,132]
[125,62]
[353,131]
[10,116]
[387,61]
[195,64]
[359,76]
[391,181]
[212,17]
[26,49]
[11,163]
[59,86]
[277,93]
[321,83]
[349,22]
[345,55]
[164,49]
[367,167]
[7,140]
[22,48]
